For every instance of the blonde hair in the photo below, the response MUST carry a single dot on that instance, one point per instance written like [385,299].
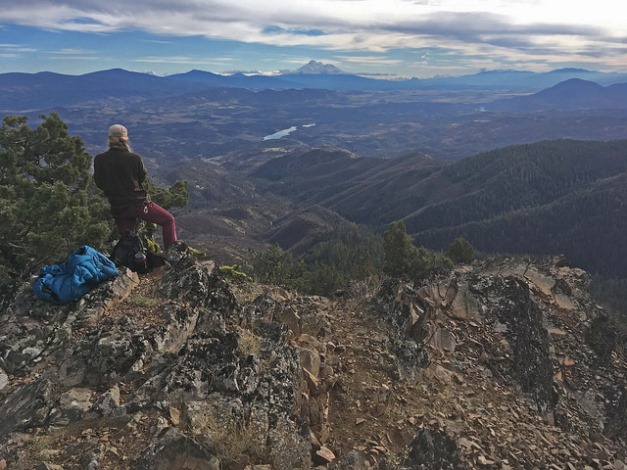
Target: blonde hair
[120,142]
[118,137]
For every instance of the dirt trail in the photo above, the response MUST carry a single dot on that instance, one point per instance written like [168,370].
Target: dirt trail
[370,407]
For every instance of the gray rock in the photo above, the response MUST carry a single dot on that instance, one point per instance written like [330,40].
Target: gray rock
[71,371]
[4,379]
[111,354]
[433,449]
[102,299]
[27,407]
[179,327]
[172,450]
[74,403]
[108,404]
[27,304]
[22,343]
[196,285]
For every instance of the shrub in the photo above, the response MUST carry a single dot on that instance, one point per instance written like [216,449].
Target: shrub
[460,251]
[404,259]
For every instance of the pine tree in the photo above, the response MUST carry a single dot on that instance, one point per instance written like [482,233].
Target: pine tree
[404,259]
[48,204]
[460,251]
[398,249]
[275,266]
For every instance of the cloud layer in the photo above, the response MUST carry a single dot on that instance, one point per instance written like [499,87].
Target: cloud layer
[499,32]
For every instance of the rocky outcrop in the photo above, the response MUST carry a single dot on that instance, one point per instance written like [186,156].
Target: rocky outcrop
[196,381]
[502,364]
[531,328]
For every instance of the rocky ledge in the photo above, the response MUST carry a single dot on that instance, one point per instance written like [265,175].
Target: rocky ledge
[503,364]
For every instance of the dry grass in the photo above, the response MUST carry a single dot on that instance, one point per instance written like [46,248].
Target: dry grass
[142,301]
[237,446]
[249,343]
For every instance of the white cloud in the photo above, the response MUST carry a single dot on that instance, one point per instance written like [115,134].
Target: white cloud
[76,57]
[154,41]
[185,60]
[505,29]
[71,52]
[369,60]
[15,48]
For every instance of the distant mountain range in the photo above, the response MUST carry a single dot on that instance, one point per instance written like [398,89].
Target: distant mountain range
[554,197]
[23,91]
[209,115]
[571,94]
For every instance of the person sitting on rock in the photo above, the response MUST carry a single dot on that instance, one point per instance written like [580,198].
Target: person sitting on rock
[120,172]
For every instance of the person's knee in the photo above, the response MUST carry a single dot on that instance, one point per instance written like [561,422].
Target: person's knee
[169,219]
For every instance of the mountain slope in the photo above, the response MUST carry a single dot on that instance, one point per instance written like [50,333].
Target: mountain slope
[572,94]
[23,91]
[359,187]
[549,197]
[43,90]
[587,226]
[302,230]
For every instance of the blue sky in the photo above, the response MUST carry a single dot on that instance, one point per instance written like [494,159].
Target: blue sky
[411,38]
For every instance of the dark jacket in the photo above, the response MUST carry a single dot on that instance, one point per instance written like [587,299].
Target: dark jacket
[120,174]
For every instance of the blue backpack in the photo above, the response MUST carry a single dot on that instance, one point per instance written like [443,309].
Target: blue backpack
[80,273]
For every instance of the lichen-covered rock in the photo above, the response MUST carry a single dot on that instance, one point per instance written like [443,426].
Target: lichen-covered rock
[530,363]
[109,403]
[73,404]
[23,343]
[28,406]
[34,331]
[173,449]
[199,287]
[411,317]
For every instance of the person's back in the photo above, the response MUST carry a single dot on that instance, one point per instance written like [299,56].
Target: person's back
[120,173]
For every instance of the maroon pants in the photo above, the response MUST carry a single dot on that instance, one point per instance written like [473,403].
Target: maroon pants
[150,212]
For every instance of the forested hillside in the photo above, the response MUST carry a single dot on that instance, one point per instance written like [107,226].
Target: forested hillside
[562,196]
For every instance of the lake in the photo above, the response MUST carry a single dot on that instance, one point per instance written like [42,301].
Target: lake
[284,132]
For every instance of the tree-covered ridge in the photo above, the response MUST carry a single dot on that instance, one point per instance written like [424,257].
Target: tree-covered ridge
[513,178]
[563,196]
[353,253]
[337,257]
[588,227]
[550,197]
